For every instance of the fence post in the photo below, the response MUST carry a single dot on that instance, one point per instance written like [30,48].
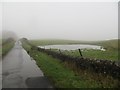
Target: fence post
[80,53]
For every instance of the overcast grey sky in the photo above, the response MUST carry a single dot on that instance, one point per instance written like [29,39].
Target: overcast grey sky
[62,20]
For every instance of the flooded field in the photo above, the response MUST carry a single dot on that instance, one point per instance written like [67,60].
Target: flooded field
[72,47]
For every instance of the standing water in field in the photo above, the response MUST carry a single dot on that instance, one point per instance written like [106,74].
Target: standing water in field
[72,47]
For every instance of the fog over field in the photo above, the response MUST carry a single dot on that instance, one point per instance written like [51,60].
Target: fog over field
[61,20]
[59,44]
[9,34]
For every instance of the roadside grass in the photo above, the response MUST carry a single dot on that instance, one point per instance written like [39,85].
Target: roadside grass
[61,77]
[66,75]
[6,47]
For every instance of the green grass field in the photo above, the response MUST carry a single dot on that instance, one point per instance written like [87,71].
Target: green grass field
[64,75]
[108,44]
[53,42]
[6,47]
[93,54]
[111,47]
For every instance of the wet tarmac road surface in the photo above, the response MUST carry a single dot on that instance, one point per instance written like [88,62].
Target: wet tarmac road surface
[19,71]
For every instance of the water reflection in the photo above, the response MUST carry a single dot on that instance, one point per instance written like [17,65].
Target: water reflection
[18,67]
[72,47]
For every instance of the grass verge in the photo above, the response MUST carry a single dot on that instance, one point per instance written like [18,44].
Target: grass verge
[65,75]
[7,47]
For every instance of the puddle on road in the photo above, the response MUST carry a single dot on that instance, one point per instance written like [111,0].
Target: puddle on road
[37,80]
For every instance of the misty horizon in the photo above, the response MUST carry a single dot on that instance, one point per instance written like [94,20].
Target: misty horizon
[62,20]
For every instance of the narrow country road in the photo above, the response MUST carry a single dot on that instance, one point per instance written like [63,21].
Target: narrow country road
[19,71]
